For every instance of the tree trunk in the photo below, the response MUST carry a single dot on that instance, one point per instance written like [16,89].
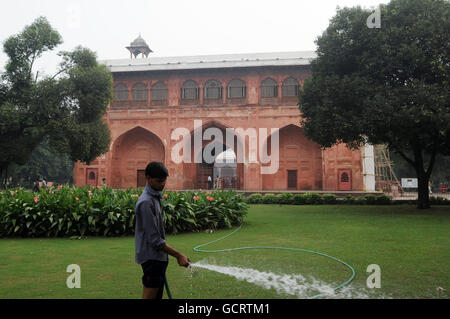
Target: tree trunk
[423,200]
[423,177]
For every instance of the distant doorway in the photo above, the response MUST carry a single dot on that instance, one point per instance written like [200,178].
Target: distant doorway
[203,171]
[141,181]
[92,176]
[292,179]
[345,181]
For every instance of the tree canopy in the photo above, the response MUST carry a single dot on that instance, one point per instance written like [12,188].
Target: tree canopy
[43,163]
[387,85]
[67,108]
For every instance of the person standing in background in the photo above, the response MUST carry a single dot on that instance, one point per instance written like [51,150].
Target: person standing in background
[209,182]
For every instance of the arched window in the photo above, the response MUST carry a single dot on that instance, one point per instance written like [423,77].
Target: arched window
[120,92]
[290,87]
[236,89]
[212,90]
[189,90]
[159,92]
[269,88]
[344,177]
[139,92]
[91,175]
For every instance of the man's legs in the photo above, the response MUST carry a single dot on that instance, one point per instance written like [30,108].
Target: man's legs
[150,293]
[153,279]
[153,293]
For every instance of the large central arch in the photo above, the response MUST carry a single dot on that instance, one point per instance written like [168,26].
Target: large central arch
[195,174]
[131,153]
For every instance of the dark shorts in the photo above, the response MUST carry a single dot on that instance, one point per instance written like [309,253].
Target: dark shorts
[154,274]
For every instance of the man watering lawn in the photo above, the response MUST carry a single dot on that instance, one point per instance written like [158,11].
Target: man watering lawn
[150,241]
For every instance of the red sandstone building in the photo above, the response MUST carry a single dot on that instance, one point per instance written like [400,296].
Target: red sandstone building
[155,96]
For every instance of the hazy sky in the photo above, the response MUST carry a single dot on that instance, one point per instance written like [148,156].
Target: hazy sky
[175,27]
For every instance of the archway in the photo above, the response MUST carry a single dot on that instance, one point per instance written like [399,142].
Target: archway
[225,174]
[300,162]
[223,171]
[132,151]
[196,173]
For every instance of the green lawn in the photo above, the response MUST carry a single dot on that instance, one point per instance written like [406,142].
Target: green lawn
[412,248]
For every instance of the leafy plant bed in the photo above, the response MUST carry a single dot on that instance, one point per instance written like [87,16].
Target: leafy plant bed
[80,211]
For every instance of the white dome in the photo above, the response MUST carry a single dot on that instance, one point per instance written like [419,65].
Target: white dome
[226,157]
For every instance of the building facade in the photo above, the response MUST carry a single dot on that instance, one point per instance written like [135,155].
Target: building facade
[156,98]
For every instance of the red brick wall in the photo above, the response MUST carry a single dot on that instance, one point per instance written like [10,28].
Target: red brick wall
[141,132]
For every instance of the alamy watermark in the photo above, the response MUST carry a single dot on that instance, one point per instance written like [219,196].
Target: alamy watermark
[74,280]
[374,280]
[257,152]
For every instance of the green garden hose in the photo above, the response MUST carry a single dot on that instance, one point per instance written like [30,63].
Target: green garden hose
[197,249]
[167,287]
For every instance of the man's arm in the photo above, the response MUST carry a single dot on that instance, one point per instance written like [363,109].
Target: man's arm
[152,234]
[154,237]
[182,259]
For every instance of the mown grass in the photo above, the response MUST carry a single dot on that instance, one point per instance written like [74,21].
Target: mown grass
[411,247]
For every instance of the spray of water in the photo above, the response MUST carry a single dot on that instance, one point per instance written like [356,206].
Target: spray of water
[290,284]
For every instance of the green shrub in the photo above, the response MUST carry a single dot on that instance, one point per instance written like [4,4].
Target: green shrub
[370,199]
[349,199]
[299,199]
[383,200]
[329,199]
[254,199]
[438,200]
[269,199]
[81,211]
[285,198]
[360,200]
[313,199]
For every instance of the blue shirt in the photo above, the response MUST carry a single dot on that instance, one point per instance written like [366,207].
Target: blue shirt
[149,230]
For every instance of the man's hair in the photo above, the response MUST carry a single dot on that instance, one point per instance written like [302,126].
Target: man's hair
[156,170]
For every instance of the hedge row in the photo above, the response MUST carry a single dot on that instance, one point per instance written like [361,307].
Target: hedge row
[316,199]
[80,211]
[331,199]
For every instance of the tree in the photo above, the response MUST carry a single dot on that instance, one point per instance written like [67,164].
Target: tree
[43,162]
[67,108]
[387,85]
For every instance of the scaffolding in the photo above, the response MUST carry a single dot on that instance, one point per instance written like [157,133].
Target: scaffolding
[385,179]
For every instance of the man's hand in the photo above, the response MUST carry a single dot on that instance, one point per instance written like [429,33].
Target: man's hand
[183,261]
